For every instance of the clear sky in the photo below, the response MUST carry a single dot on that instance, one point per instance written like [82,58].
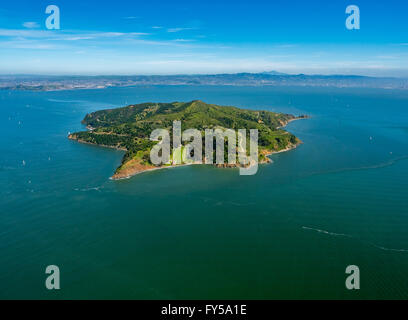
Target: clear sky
[173,37]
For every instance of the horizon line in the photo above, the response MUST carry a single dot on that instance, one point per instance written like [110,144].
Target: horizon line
[277,73]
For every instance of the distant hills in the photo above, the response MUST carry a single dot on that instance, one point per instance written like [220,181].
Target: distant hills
[267,78]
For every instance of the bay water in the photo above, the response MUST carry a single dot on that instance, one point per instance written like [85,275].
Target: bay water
[200,232]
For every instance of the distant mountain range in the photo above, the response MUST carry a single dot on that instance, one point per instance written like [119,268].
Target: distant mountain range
[269,78]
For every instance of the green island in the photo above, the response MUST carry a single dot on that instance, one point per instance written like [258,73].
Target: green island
[129,128]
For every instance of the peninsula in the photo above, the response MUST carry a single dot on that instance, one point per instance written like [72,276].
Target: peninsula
[129,128]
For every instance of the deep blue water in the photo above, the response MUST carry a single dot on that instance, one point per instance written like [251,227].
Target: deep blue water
[290,231]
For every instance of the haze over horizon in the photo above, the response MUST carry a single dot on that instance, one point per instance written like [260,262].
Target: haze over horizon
[273,72]
[192,37]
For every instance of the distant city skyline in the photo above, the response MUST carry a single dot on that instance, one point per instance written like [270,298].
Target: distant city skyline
[197,37]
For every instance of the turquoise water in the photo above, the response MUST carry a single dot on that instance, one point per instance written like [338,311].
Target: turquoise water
[194,232]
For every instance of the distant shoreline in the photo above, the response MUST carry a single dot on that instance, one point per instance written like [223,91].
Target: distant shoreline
[273,79]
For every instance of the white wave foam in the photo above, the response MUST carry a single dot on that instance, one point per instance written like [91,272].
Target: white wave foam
[89,189]
[327,232]
[350,236]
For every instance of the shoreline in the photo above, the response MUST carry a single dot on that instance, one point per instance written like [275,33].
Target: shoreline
[136,171]
[118,176]
[302,117]
[138,168]
[292,147]
[130,175]
[70,137]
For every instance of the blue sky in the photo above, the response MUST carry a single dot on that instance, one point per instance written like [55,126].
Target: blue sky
[173,37]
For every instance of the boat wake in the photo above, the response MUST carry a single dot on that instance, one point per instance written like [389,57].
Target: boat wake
[89,189]
[390,249]
[327,232]
[353,237]
[370,167]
